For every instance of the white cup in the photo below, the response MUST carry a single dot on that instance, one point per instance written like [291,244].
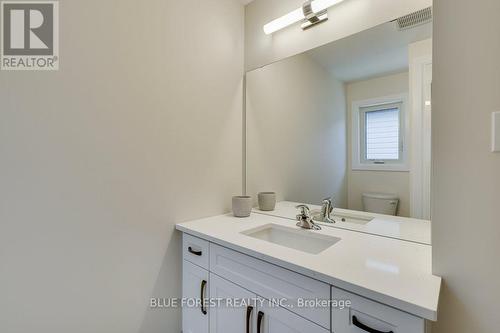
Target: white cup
[242,206]
[267,201]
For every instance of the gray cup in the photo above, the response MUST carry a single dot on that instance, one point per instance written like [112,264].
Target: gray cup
[267,201]
[242,206]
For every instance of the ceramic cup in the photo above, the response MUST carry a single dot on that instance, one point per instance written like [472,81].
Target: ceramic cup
[242,206]
[267,201]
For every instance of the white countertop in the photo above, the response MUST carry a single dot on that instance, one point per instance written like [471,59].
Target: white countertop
[414,230]
[393,272]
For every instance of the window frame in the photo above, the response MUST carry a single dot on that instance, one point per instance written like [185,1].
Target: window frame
[359,110]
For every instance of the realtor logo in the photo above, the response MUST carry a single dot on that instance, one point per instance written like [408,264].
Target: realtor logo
[29,35]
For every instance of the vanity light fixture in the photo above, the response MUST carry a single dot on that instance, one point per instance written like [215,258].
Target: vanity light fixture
[311,13]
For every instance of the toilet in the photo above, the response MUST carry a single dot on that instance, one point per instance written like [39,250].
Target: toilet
[380,203]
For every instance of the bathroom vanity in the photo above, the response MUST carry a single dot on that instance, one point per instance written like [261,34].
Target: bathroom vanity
[278,267]
[331,122]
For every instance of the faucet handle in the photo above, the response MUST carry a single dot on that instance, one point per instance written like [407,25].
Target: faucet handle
[304,210]
[329,199]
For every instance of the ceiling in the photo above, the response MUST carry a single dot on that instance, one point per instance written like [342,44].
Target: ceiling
[378,51]
[245,2]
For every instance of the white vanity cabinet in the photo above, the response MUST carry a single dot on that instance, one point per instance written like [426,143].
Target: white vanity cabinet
[214,272]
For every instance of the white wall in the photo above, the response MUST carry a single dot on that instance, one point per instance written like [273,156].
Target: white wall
[376,181]
[296,132]
[345,19]
[466,175]
[139,130]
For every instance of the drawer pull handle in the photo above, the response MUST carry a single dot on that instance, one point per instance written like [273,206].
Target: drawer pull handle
[260,316]
[249,315]
[362,326]
[202,296]
[196,253]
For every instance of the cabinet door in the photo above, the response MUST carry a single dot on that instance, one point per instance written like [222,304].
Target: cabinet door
[274,319]
[235,311]
[195,288]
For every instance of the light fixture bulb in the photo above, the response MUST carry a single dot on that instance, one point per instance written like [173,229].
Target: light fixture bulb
[284,21]
[319,5]
[297,15]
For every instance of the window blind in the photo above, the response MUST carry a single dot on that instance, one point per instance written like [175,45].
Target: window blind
[382,134]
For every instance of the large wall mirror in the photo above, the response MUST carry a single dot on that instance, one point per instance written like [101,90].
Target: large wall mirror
[350,121]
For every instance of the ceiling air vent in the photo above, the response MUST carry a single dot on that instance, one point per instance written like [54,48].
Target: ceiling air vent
[415,19]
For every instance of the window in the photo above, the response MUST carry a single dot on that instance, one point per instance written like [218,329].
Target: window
[381,141]
[378,135]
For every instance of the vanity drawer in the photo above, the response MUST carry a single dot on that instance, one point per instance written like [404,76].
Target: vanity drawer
[195,250]
[271,282]
[365,316]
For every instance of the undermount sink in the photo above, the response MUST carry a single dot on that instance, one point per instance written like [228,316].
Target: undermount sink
[297,239]
[345,218]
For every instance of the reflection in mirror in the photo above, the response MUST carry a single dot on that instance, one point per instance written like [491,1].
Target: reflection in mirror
[349,121]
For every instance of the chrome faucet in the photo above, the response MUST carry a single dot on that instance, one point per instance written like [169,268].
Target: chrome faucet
[304,219]
[326,211]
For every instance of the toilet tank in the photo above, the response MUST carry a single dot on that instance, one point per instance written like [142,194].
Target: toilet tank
[380,203]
